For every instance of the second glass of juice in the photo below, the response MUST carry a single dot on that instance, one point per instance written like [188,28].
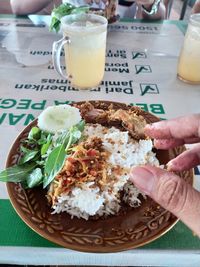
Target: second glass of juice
[189,60]
[84,40]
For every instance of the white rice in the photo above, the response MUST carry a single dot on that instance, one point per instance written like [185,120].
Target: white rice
[125,153]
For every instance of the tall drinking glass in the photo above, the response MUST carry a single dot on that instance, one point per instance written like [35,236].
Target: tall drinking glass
[84,41]
[189,60]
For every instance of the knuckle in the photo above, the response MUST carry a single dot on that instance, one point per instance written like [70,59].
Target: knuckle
[172,193]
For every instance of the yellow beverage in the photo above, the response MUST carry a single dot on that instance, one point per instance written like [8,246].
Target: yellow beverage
[189,61]
[84,42]
[85,59]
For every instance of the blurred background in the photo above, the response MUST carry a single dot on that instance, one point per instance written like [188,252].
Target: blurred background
[181,9]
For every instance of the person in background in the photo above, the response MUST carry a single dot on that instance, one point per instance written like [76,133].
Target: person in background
[5,7]
[25,7]
[143,9]
[148,9]
[196,7]
[165,187]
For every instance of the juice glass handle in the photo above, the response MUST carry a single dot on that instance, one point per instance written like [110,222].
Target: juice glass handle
[56,51]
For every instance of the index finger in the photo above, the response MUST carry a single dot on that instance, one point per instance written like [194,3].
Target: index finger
[179,128]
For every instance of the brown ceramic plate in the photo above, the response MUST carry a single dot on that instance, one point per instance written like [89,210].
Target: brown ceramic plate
[131,229]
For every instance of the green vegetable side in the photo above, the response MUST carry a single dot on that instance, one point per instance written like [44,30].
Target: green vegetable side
[43,156]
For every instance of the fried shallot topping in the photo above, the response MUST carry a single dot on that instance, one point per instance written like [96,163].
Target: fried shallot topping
[85,164]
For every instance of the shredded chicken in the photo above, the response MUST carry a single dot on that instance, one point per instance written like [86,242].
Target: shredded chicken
[130,121]
[127,118]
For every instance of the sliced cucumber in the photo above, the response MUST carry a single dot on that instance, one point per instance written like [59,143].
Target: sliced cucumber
[56,118]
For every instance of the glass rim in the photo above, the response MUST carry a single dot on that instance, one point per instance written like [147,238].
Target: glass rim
[99,18]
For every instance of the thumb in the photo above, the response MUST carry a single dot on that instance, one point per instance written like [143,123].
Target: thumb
[171,192]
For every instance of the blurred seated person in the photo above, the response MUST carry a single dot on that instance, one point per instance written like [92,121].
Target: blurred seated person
[5,7]
[143,9]
[196,7]
[25,7]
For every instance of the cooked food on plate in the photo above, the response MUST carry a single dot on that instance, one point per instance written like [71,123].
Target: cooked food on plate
[82,154]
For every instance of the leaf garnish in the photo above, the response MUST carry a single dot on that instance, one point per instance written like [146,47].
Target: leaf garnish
[56,158]
[64,10]
[34,178]
[54,164]
[17,173]
[43,156]
[29,154]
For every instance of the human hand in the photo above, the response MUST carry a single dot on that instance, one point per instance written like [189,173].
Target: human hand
[146,3]
[196,7]
[166,188]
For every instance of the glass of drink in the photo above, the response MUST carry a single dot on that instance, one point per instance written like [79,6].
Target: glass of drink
[84,41]
[189,60]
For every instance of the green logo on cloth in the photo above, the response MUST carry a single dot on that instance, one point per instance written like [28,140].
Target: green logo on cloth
[143,69]
[138,55]
[148,88]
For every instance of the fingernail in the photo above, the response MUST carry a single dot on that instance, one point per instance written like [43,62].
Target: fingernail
[142,178]
[155,142]
[152,125]
[171,165]
[149,126]
[162,143]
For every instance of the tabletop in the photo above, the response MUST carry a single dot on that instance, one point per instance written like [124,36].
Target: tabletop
[141,70]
